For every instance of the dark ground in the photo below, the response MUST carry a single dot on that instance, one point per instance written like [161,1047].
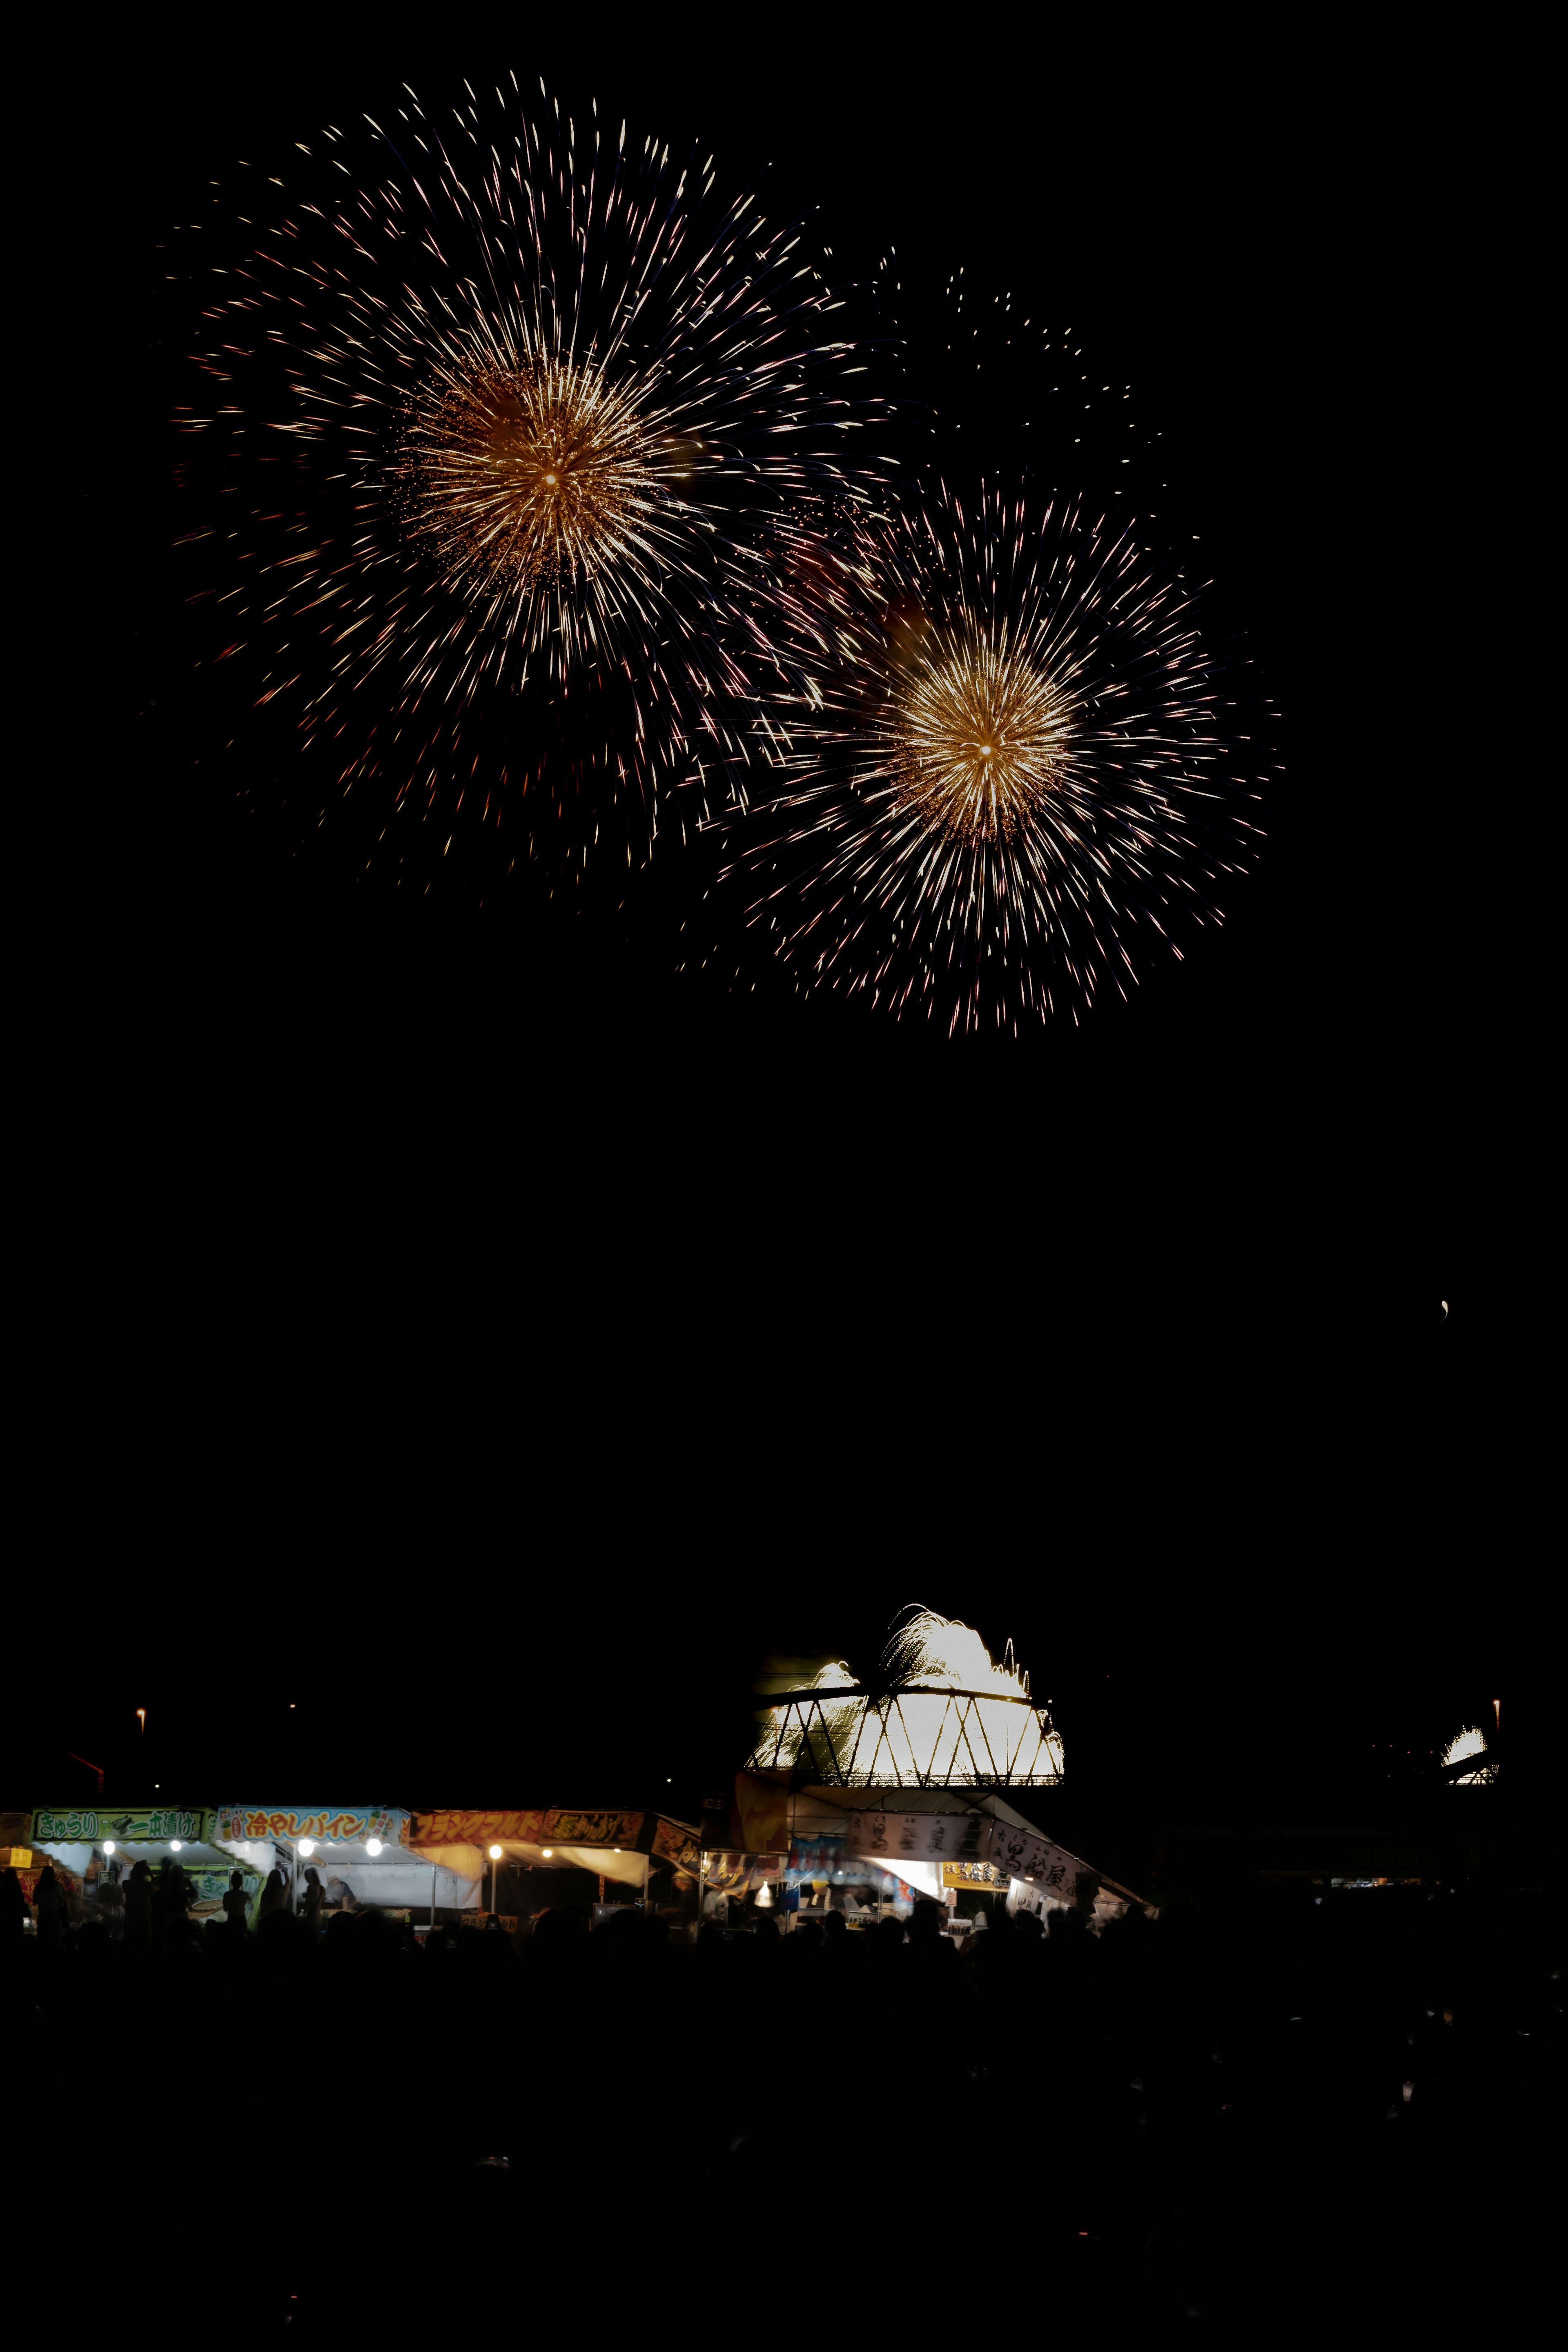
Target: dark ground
[1194,2128]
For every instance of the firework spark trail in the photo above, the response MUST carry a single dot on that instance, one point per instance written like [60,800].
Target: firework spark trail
[542,393]
[1010,770]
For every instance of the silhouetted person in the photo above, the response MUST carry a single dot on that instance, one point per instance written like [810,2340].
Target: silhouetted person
[172,1895]
[138,1906]
[312,1900]
[13,1908]
[235,1903]
[274,1896]
[164,1898]
[50,1903]
[925,1924]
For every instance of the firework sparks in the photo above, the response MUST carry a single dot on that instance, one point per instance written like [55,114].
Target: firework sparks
[1010,773]
[537,472]
[978,742]
[531,395]
[1472,1742]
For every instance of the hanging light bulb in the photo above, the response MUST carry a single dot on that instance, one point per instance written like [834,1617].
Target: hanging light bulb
[373,1845]
[307,1847]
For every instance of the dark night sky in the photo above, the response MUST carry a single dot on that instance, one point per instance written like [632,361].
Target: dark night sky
[698,1328]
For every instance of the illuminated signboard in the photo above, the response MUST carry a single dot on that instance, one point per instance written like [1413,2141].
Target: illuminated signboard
[347,1825]
[127,1824]
[970,1873]
[673,1844]
[553,1826]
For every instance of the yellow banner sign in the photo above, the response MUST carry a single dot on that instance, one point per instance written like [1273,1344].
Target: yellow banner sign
[970,1873]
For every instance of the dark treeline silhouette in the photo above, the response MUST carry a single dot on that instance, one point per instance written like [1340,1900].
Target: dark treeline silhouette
[1189,2126]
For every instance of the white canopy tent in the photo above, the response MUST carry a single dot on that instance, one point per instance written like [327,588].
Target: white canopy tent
[98,1845]
[627,1869]
[360,1854]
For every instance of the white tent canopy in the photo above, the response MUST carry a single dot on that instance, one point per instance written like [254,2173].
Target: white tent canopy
[628,1868]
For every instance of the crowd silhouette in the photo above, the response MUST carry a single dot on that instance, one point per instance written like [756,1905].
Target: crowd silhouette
[1239,2116]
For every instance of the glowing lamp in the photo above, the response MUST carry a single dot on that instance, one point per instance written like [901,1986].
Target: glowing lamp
[547,1851]
[495,1854]
[373,1845]
[109,1845]
[176,1844]
[307,1845]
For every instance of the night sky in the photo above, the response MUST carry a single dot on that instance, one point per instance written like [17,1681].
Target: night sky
[704,1327]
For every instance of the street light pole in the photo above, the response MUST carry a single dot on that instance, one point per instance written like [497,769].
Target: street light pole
[495,1865]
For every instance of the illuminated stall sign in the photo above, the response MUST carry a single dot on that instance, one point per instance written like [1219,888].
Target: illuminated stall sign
[826,1862]
[814,1861]
[551,1827]
[924,1837]
[349,1826]
[673,1844]
[1011,1852]
[128,1825]
[731,1873]
[972,1874]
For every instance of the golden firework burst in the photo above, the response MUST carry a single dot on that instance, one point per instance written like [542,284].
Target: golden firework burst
[536,472]
[981,739]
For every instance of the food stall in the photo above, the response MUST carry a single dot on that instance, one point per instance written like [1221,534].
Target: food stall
[553,1856]
[361,1853]
[870,1852]
[94,1849]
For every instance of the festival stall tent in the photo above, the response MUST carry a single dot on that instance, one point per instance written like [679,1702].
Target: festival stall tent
[941,1842]
[95,1847]
[867,1852]
[621,1847]
[361,1853]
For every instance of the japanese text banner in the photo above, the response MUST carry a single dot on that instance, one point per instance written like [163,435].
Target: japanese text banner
[553,1826]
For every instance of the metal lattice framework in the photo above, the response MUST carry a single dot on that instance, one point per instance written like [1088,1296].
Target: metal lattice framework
[924,1736]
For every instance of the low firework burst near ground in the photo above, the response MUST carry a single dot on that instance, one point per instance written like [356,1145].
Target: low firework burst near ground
[1014,775]
[511,401]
